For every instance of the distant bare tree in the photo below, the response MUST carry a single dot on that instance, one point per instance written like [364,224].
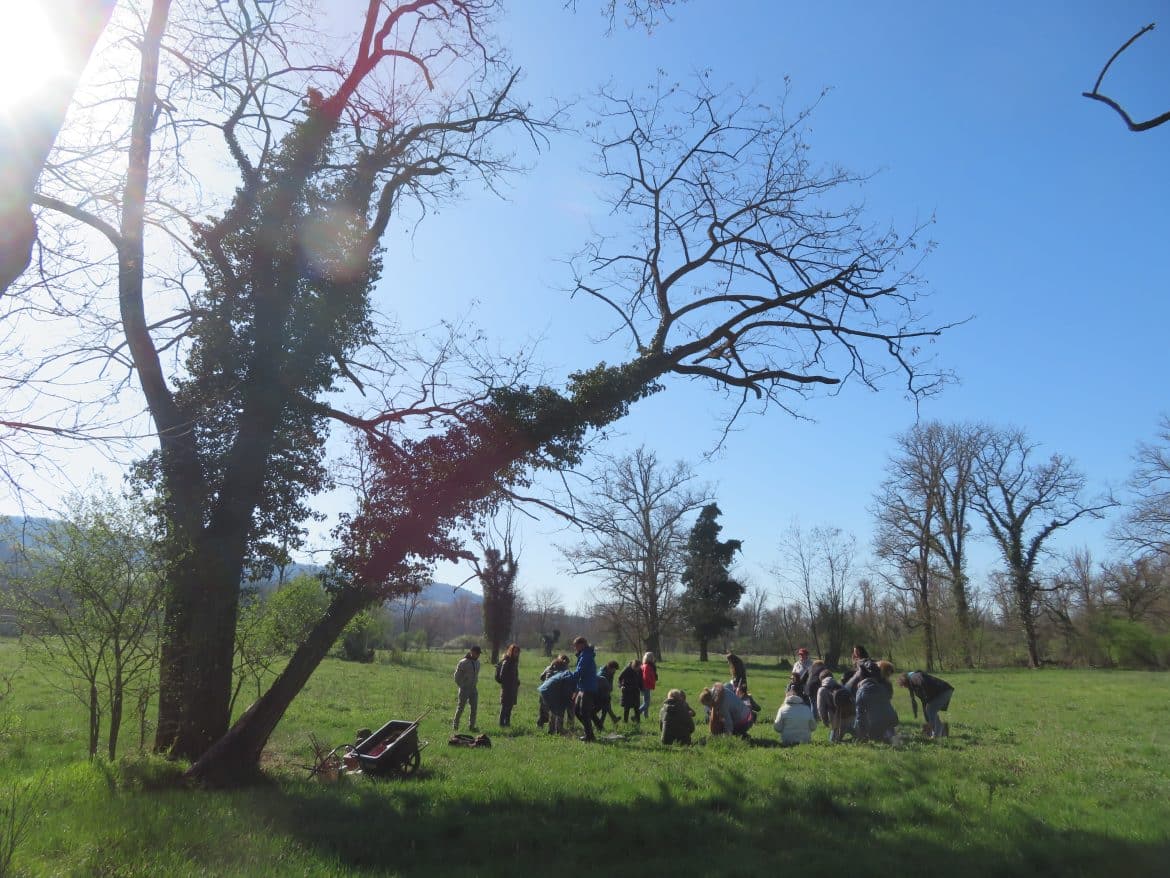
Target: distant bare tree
[634,538]
[786,624]
[922,515]
[1146,525]
[820,566]
[1024,501]
[752,610]
[465,614]
[546,611]
[879,617]
[906,511]
[1140,588]
[1074,600]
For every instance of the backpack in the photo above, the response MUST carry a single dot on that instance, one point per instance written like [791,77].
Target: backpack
[499,671]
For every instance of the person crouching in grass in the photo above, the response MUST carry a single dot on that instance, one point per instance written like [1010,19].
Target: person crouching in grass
[935,695]
[676,718]
[729,715]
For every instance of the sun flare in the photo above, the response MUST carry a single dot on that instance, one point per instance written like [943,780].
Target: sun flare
[30,53]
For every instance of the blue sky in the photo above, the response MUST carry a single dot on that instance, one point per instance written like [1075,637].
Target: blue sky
[1052,223]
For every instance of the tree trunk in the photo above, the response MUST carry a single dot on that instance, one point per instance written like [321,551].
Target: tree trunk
[235,756]
[703,649]
[95,719]
[928,636]
[654,645]
[198,650]
[1027,621]
[962,615]
[115,717]
[1033,645]
[143,706]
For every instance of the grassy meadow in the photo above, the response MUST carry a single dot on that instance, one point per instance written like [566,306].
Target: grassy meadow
[1045,773]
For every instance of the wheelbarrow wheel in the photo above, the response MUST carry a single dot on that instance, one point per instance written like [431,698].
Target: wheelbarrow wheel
[410,764]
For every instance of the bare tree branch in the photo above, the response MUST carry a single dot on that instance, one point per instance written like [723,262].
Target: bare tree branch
[1096,95]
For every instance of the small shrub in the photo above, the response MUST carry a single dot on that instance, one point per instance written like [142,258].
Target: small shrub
[1133,645]
[148,773]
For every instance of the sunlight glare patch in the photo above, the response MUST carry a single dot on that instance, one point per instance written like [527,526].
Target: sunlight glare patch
[30,53]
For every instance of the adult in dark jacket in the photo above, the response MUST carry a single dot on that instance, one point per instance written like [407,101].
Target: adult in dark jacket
[826,690]
[630,684]
[560,663]
[677,718]
[935,695]
[876,718]
[556,694]
[508,676]
[603,705]
[812,682]
[585,676]
[863,668]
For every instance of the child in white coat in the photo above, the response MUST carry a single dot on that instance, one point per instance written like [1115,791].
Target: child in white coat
[795,721]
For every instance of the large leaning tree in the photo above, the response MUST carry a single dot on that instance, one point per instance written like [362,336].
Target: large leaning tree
[743,266]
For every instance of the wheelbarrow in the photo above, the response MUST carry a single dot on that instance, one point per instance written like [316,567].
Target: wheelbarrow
[392,750]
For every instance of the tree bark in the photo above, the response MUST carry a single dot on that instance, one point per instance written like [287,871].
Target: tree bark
[196,670]
[95,716]
[928,636]
[654,645]
[962,615]
[234,757]
[115,718]
[1028,621]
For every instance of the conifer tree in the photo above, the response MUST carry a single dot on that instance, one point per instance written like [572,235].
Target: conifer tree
[711,594]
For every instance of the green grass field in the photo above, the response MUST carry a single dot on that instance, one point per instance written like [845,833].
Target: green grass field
[1045,773]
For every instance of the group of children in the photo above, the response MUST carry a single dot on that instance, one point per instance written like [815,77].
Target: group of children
[859,705]
[561,696]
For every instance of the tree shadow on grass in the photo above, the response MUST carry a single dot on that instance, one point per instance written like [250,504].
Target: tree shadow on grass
[401,828]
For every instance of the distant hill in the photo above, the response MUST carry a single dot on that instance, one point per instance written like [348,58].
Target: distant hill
[16,531]
[442,593]
[438,593]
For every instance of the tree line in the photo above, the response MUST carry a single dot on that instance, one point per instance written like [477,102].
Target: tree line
[87,589]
